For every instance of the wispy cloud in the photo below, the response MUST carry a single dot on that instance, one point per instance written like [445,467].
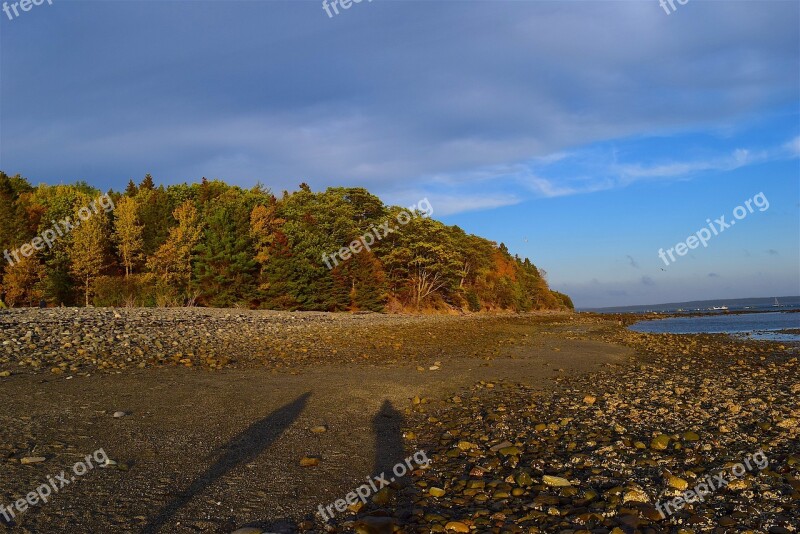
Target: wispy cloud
[679,169]
[449,204]
[793,146]
[593,169]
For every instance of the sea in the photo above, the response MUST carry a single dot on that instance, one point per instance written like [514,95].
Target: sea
[770,319]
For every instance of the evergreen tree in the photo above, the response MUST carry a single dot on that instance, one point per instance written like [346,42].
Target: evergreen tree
[131,190]
[226,271]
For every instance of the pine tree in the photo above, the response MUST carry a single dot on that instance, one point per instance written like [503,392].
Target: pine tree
[155,216]
[131,190]
[147,183]
[226,271]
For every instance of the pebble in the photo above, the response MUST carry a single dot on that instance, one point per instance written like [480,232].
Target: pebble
[513,459]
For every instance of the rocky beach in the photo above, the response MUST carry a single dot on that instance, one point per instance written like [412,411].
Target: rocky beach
[226,420]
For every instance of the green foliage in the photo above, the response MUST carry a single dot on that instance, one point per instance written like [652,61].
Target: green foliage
[564,299]
[226,269]
[473,301]
[221,245]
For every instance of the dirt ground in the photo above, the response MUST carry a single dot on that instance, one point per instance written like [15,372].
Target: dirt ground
[212,451]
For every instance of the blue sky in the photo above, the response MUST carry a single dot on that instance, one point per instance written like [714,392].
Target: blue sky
[584,135]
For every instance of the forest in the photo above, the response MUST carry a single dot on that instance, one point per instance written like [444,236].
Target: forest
[217,245]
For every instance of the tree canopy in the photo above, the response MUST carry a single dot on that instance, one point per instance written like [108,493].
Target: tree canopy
[213,244]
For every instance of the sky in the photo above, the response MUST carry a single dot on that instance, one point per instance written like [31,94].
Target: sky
[585,135]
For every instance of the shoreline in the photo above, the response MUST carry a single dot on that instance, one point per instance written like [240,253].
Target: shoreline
[213,448]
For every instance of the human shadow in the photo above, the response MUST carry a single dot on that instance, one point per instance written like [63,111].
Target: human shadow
[390,465]
[243,448]
[388,428]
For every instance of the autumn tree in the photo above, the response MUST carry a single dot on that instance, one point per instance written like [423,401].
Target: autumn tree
[14,227]
[172,262]
[22,281]
[89,248]
[236,246]
[128,233]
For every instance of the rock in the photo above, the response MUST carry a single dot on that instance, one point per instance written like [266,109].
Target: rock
[635,495]
[321,429]
[677,483]
[738,484]
[456,526]
[524,479]
[691,436]
[556,482]
[309,461]
[375,525]
[118,415]
[436,492]
[789,423]
[660,442]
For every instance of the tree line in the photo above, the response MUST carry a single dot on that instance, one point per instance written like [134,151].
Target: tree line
[212,244]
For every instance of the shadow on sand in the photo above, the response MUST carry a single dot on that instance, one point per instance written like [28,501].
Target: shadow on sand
[387,425]
[242,449]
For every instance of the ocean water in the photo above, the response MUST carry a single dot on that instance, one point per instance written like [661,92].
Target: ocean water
[763,326]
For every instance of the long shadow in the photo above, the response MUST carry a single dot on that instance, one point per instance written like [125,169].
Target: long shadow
[389,453]
[242,449]
[388,427]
